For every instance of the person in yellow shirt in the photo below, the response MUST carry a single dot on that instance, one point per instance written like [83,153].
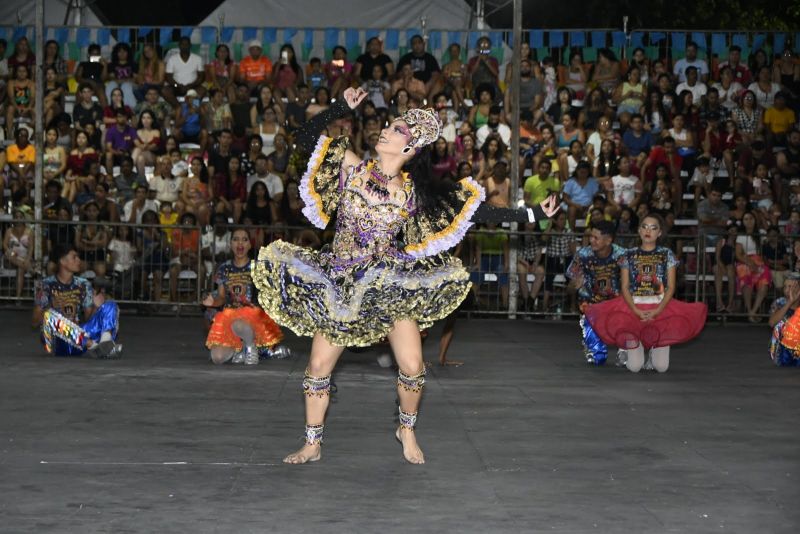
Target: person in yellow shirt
[778,120]
[539,186]
[20,158]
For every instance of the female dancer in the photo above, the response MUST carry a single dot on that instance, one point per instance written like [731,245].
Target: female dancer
[646,316]
[241,330]
[783,347]
[387,274]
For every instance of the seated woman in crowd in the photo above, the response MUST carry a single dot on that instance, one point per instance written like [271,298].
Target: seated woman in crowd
[454,76]
[115,104]
[221,72]
[748,117]
[752,273]
[150,72]
[121,73]
[479,113]
[147,143]
[241,331]
[54,158]
[195,193]
[595,108]
[77,162]
[646,316]
[654,114]
[287,75]
[268,130]
[265,100]
[18,244]
[322,101]
[338,71]
[605,73]
[399,104]
[629,96]
[230,190]
[574,75]
[493,150]
[21,93]
[54,92]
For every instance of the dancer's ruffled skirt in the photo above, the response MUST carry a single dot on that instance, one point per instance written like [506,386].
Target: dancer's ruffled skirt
[355,305]
[266,332]
[785,344]
[617,325]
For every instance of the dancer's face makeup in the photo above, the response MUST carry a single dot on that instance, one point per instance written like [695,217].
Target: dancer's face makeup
[394,137]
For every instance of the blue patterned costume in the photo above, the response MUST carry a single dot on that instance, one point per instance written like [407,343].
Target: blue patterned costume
[600,282]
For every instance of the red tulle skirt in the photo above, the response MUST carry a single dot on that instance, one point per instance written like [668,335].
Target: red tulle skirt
[267,333]
[617,325]
[791,333]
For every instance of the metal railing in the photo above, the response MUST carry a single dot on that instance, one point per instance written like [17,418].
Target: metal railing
[170,269]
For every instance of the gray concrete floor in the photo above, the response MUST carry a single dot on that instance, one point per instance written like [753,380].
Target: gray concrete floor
[523,438]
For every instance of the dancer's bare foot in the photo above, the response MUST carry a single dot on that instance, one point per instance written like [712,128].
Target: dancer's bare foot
[307,453]
[411,451]
[445,362]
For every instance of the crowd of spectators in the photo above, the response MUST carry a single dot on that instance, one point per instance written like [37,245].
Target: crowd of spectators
[712,145]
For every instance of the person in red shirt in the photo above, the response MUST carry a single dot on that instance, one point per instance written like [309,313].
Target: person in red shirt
[230,190]
[255,69]
[667,155]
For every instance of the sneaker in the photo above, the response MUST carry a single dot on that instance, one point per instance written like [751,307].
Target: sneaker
[251,356]
[102,350]
[280,353]
[622,358]
[238,357]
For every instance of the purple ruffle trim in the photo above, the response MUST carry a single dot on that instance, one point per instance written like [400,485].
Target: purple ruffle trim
[456,235]
[312,206]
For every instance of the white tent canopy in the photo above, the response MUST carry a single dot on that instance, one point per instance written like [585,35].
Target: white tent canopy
[23,12]
[441,14]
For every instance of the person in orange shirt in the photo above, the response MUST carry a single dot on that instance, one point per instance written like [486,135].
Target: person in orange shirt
[778,120]
[185,248]
[255,69]
[20,158]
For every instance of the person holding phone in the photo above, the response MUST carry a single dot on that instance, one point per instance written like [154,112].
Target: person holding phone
[288,74]
[338,72]
[92,72]
[482,68]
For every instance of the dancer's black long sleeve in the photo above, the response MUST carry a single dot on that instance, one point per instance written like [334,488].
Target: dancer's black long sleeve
[310,131]
[487,213]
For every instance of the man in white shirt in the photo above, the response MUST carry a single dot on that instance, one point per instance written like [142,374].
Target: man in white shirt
[493,126]
[167,187]
[264,174]
[690,61]
[693,85]
[184,71]
[134,209]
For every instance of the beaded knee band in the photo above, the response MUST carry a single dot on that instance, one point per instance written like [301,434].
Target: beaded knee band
[314,434]
[408,420]
[411,383]
[319,386]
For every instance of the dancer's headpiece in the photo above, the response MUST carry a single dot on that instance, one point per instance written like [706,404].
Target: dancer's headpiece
[424,125]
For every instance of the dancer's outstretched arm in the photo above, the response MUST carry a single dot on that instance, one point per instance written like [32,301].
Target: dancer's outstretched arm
[544,210]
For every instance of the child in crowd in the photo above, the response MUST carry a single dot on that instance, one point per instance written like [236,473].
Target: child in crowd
[316,76]
[702,178]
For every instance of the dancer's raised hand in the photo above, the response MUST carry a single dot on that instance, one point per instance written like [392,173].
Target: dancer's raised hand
[550,205]
[354,97]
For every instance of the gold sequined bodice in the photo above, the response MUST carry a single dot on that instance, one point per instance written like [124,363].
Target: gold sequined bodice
[367,225]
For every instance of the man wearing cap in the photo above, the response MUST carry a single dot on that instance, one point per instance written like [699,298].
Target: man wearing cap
[256,68]
[184,71]
[579,192]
